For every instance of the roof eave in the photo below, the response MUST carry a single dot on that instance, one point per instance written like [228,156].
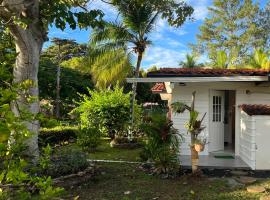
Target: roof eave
[199,79]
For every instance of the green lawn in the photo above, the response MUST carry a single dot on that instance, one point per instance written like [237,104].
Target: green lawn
[105,152]
[118,178]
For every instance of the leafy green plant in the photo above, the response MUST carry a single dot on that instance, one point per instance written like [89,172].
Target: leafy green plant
[194,127]
[89,138]
[260,60]
[16,166]
[106,110]
[163,140]
[66,161]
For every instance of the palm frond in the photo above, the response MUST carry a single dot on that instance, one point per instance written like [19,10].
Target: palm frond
[110,68]
[110,32]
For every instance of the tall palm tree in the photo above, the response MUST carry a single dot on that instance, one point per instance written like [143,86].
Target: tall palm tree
[259,60]
[131,35]
[190,62]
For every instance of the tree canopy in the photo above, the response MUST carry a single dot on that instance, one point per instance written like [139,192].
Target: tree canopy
[231,27]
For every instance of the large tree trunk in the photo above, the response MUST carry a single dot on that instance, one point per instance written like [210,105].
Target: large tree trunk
[134,86]
[29,43]
[28,48]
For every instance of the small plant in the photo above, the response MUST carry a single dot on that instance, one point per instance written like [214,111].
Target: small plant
[65,162]
[89,138]
[162,145]
[199,144]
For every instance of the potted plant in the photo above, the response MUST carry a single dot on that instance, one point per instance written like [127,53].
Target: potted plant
[199,145]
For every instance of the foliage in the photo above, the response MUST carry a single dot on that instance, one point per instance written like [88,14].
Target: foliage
[70,86]
[75,63]
[263,23]
[15,161]
[194,125]
[231,28]
[57,135]
[260,60]
[131,33]
[189,63]
[110,73]
[89,138]
[48,122]
[68,50]
[66,161]
[107,110]
[7,56]
[162,144]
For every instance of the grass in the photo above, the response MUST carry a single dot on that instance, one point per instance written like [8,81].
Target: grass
[105,152]
[118,178]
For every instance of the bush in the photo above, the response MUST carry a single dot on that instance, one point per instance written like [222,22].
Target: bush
[46,122]
[57,135]
[108,111]
[66,161]
[89,138]
[162,145]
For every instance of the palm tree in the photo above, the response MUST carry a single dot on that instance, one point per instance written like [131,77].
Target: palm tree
[223,59]
[259,60]
[189,63]
[132,33]
[106,74]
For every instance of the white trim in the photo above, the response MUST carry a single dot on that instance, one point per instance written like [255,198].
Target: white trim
[198,79]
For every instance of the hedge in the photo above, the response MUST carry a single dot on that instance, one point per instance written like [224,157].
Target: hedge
[57,135]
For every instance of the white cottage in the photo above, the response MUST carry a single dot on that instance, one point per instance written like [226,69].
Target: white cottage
[237,107]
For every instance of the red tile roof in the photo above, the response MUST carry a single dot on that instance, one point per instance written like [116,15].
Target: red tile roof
[256,109]
[158,88]
[203,72]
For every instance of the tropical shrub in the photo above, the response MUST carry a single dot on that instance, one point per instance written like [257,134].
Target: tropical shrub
[162,144]
[89,138]
[107,110]
[57,135]
[66,161]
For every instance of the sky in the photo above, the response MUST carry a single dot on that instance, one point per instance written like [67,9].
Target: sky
[170,45]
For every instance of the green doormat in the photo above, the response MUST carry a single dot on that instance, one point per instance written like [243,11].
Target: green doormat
[224,156]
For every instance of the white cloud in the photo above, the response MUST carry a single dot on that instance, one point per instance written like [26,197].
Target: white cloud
[162,57]
[110,12]
[174,43]
[200,8]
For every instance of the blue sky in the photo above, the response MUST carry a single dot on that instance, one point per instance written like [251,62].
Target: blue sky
[170,45]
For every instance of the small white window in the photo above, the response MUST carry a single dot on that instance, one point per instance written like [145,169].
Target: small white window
[217,108]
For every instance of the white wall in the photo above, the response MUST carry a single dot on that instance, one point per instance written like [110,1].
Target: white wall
[257,95]
[184,94]
[262,134]
[247,147]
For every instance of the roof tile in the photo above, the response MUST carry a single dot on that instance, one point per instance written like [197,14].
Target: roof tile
[158,87]
[256,109]
[206,72]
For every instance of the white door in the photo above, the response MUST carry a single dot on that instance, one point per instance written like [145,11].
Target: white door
[216,123]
